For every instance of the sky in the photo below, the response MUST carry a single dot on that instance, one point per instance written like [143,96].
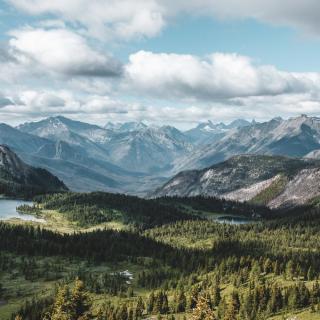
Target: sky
[159,61]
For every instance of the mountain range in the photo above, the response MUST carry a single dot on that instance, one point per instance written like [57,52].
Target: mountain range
[275,181]
[136,158]
[295,137]
[19,179]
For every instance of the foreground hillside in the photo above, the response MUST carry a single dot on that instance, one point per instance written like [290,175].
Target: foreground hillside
[174,270]
[268,180]
[18,179]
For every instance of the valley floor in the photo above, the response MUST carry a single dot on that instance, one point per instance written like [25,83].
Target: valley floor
[262,270]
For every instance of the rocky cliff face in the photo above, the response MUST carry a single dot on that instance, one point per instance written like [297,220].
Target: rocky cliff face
[271,180]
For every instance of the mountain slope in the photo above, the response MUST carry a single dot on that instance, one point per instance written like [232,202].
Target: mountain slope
[295,137]
[76,133]
[285,181]
[148,150]
[209,132]
[19,179]
[132,146]
[19,141]
[74,164]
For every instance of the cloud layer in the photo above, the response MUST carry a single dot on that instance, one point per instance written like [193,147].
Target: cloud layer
[128,19]
[61,63]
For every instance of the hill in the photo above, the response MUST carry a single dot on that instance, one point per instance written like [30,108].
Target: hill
[267,180]
[21,180]
[89,209]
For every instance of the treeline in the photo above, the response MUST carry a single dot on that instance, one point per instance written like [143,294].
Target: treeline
[258,302]
[16,190]
[213,204]
[97,246]
[97,207]
[34,182]
[248,209]
[27,209]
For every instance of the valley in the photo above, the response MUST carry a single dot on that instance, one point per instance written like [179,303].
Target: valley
[238,239]
[159,160]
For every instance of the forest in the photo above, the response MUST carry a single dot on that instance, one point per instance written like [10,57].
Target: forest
[181,266]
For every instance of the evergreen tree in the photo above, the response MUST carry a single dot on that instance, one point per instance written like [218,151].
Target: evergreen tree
[151,303]
[139,309]
[203,311]
[80,301]
[233,307]
[62,308]
[310,273]
[182,302]
[216,295]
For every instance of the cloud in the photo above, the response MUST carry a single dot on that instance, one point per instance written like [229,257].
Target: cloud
[4,101]
[103,18]
[299,14]
[61,51]
[129,19]
[37,100]
[219,76]
[46,103]
[99,109]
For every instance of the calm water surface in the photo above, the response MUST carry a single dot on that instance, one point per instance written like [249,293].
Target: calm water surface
[8,210]
[234,220]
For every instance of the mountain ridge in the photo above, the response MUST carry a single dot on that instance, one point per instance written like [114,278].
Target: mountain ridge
[250,177]
[19,179]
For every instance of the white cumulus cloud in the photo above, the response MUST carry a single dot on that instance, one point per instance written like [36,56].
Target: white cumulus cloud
[218,76]
[61,51]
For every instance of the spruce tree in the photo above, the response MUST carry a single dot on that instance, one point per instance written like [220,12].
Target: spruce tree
[80,301]
[203,311]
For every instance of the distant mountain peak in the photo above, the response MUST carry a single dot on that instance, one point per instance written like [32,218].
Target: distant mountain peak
[238,123]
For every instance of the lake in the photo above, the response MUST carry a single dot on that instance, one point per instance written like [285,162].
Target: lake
[233,220]
[8,210]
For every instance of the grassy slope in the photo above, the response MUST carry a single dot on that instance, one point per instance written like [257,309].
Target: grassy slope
[18,290]
[276,187]
[56,221]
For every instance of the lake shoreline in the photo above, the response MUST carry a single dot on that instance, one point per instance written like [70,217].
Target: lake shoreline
[8,210]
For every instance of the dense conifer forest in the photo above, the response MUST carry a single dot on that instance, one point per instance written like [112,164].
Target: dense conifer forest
[183,265]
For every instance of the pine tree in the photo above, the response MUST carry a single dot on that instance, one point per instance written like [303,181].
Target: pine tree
[310,273]
[289,270]
[62,308]
[80,301]
[216,295]
[202,311]
[123,312]
[182,302]
[151,303]
[193,297]
[165,304]
[139,308]
[233,307]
